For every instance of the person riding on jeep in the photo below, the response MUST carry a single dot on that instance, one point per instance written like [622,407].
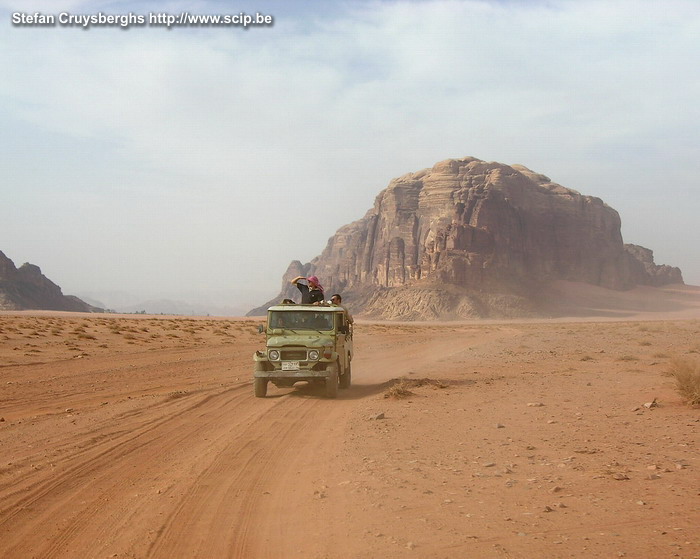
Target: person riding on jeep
[311,291]
[336,299]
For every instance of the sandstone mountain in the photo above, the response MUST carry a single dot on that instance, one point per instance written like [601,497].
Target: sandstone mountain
[469,238]
[27,288]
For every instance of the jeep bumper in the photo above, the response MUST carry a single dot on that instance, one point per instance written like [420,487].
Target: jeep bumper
[301,374]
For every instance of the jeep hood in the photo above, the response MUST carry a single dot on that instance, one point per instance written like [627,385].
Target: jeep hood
[313,340]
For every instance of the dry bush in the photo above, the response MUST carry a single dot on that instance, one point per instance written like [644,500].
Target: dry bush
[401,388]
[398,390]
[686,372]
[627,358]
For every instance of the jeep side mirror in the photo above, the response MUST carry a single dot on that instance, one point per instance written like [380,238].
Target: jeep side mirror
[261,328]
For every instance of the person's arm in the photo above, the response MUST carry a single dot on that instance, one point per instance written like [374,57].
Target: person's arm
[296,279]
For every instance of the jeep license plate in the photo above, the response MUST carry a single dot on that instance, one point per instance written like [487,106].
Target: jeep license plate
[290,365]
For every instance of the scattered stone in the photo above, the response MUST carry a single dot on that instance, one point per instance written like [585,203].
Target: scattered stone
[561,505]
[535,404]
[68,410]
[653,476]
[556,489]
[2,419]
[652,404]
[378,416]
[620,476]
[500,426]
[547,509]
[635,409]
[652,467]
[489,464]
[641,503]
[411,545]
[550,421]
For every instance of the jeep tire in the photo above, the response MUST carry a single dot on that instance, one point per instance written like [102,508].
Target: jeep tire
[346,377]
[332,381]
[260,387]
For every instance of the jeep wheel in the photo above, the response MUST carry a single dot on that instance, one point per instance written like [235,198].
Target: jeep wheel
[260,387]
[346,378]
[332,381]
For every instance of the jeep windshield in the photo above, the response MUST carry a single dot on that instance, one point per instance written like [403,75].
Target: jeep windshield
[301,320]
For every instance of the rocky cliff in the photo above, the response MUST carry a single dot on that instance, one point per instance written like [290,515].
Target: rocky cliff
[27,288]
[471,238]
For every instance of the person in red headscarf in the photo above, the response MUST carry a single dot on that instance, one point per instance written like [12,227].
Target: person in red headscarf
[311,290]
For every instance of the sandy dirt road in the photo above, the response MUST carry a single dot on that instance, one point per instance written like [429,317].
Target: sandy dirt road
[140,437]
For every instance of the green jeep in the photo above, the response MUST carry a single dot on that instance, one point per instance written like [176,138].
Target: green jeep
[305,342]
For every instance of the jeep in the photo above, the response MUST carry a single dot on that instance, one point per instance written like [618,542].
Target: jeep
[310,343]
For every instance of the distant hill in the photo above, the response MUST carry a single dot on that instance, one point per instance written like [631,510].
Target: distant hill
[469,238]
[26,288]
[184,303]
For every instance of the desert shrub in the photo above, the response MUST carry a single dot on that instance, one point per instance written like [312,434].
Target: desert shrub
[401,388]
[398,390]
[686,372]
[627,358]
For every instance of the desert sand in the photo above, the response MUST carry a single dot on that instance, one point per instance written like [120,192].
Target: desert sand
[139,436]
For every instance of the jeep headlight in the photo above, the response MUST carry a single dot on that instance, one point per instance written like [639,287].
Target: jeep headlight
[313,355]
[273,355]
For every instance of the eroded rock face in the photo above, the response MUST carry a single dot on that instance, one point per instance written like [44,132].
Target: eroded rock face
[491,231]
[26,288]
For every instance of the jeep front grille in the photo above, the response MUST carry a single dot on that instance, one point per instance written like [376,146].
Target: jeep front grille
[293,355]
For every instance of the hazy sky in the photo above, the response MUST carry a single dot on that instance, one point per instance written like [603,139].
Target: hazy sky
[203,160]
